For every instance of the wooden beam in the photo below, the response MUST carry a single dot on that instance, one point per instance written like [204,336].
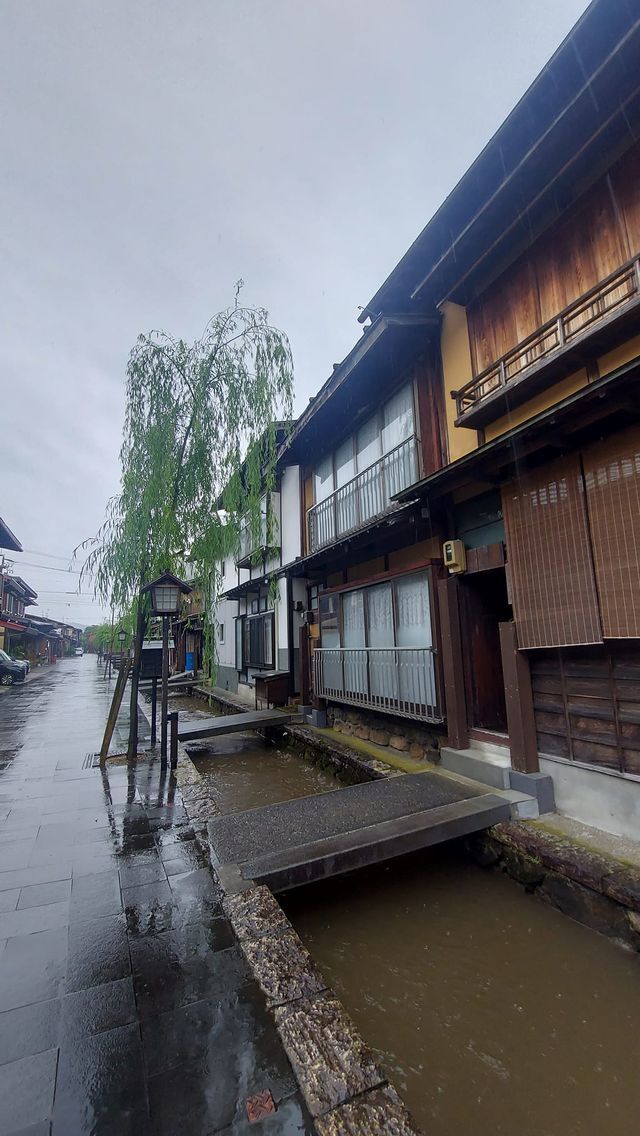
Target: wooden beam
[519,701]
[452,665]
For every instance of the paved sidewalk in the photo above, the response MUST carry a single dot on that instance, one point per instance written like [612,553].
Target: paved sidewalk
[125,1004]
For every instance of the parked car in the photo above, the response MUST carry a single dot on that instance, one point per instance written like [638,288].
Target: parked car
[11,671]
[79,652]
[21,662]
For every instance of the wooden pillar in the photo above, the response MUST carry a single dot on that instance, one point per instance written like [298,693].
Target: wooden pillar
[519,700]
[452,665]
[305,666]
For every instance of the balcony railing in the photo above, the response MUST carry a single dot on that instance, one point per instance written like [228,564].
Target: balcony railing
[250,549]
[584,316]
[365,497]
[398,680]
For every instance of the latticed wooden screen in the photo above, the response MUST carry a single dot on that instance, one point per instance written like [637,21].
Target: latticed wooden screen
[551,571]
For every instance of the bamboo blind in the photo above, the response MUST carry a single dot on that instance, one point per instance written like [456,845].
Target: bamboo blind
[552,581]
[612,480]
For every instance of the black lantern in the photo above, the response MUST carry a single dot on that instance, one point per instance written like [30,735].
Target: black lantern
[165,593]
[122,635]
[165,601]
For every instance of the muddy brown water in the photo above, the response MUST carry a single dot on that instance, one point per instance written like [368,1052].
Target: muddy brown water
[243,773]
[491,1012]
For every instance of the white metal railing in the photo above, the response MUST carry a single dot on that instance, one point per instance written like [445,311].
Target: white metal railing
[400,680]
[367,496]
[572,323]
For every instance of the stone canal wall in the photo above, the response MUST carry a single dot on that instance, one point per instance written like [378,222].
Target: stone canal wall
[599,891]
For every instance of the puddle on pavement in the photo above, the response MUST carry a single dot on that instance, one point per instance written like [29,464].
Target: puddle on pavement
[492,1012]
[242,772]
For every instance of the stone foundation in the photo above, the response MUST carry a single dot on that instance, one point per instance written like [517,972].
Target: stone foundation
[401,734]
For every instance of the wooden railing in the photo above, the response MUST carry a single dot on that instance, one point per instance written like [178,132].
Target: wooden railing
[577,319]
[367,496]
[398,680]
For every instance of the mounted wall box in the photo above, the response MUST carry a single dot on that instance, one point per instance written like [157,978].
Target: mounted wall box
[454,555]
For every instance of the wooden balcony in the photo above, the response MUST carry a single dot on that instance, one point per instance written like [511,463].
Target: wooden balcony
[395,680]
[365,498]
[592,324]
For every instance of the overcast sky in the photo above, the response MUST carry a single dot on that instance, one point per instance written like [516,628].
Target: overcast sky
[154,151]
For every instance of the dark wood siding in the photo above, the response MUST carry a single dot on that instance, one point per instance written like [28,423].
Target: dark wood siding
[587,705]
[549,557]
[612,480]
[596,236]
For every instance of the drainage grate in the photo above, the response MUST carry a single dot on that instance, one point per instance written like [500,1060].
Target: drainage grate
[90,760]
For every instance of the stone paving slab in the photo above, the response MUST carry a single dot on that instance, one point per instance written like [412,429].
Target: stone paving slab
[126,1004]
[330,1060]
[377,1111]
[283,966]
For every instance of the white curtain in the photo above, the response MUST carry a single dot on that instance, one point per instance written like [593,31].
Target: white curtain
[383,680]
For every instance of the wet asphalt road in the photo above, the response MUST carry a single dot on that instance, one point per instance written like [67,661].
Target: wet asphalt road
[125,1004]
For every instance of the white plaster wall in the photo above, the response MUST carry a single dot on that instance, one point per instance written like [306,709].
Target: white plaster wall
[281,616]
[290,513]
[601,800]
[226,613]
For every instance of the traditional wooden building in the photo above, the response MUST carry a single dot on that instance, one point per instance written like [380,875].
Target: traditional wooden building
[369,565]
[533,263]
[459,552]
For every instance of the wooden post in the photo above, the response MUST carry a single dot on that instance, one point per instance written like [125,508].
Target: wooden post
[132,748]
[173,718]
[521,722]
[154,709]
[305,677]
[452,665]
[116,702]
[165,688]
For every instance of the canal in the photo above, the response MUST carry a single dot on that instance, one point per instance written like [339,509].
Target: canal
[490,1011]
[242,772]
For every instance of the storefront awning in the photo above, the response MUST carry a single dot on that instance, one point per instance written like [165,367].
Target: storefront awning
[12,626]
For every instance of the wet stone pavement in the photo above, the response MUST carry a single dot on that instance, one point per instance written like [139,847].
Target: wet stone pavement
[125,1004]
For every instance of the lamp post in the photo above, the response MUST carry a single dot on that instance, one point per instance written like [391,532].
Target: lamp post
[165,602]
[122,635]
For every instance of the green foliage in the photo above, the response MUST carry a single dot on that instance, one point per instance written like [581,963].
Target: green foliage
[200,433]
[97,637]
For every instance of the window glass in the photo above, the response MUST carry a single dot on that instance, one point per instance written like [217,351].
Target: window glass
[397,419]
[380,616]
[345,463]
[353,619]
[368,444]
[323,479]
[328,613]
[414,618]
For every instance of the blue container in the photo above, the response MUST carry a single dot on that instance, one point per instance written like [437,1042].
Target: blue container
[189,661]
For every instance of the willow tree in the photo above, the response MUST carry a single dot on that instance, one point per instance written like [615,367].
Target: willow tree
[198,453]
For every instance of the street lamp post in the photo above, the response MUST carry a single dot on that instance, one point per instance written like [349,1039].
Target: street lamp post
[165,601]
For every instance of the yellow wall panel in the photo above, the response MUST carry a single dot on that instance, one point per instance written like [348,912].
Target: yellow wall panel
[456,369]
[542,401]
[619,356]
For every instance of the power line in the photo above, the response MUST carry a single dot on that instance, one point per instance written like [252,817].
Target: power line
[47,567]
[50,555]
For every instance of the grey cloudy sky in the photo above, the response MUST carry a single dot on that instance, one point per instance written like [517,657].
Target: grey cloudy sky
[154,151]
